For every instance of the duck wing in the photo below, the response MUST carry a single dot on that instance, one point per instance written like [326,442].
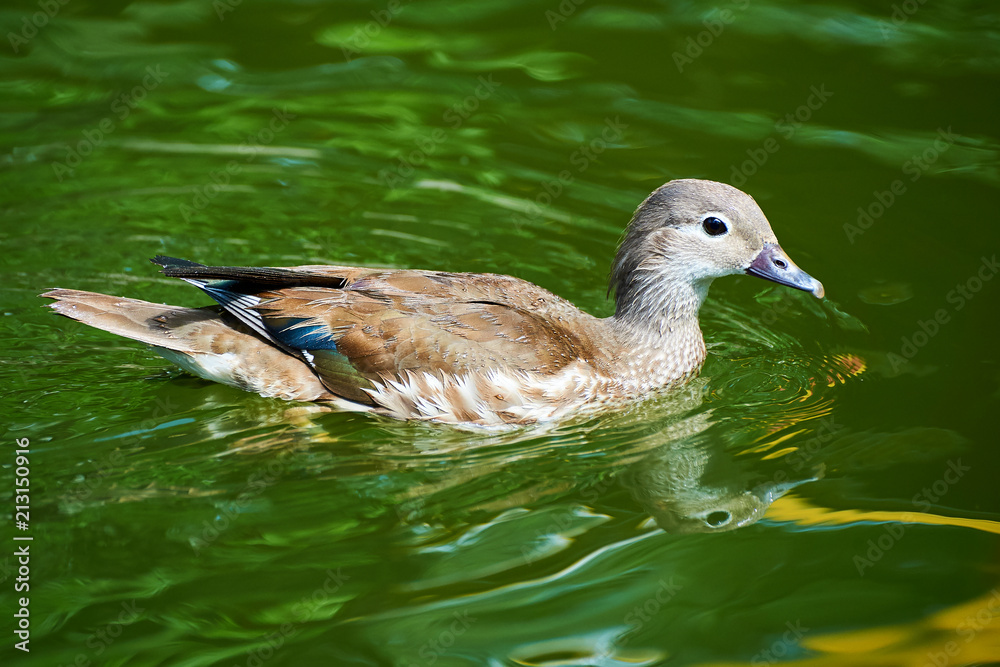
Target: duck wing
[356,326]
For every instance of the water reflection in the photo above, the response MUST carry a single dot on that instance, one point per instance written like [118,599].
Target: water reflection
[692,487]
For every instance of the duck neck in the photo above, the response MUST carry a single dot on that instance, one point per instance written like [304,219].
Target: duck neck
[656,322]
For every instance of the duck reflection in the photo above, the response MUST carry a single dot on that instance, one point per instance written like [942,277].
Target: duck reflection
[691,487]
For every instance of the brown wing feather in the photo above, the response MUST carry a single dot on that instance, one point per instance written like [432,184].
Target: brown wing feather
[450,287]
[356,325]
[391,322]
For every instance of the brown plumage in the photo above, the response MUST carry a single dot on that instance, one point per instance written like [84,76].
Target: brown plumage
[480,349]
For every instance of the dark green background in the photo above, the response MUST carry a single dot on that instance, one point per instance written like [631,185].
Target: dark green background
[177,522]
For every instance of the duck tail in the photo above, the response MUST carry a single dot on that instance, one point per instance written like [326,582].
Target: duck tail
[151,323]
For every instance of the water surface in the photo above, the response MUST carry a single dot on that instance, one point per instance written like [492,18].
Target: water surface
[177,522]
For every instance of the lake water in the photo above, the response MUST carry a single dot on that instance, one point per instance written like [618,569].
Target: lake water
[853,441]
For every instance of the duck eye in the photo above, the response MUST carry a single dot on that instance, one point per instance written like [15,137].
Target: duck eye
[717,518]
[714,227]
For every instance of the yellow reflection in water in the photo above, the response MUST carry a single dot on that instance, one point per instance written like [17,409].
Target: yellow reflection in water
[797,510]
[965,634]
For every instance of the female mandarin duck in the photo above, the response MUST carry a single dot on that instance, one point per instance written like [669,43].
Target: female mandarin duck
[471,348]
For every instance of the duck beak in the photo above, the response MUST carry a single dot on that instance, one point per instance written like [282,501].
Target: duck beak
[773,264]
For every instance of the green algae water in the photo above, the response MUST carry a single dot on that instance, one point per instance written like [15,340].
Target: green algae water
[825,493]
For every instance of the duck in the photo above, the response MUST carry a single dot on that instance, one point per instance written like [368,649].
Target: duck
[474,349]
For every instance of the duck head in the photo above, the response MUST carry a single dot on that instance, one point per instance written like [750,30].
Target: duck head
[689,232]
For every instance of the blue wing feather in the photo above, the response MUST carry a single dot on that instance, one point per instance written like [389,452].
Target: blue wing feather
[296,333]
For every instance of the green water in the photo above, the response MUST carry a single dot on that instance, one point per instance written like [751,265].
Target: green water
[178,522]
